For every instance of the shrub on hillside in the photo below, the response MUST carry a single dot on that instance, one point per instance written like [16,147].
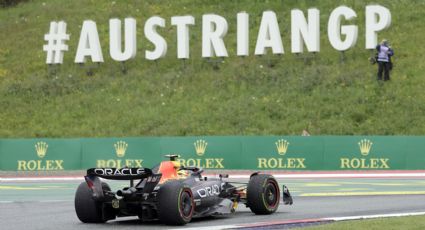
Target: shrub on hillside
[7,3]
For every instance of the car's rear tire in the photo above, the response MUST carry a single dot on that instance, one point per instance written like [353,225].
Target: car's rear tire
[263,194]
[88,210]
[175,204]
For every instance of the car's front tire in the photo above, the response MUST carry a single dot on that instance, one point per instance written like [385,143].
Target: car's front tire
[263,194]
[88,210]
[176,204]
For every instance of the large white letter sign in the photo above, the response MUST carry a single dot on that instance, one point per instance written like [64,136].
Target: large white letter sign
[269,35]
[115,49]
[182,23]
[310,32]
[151,34]
[89,44]
[335,29]
[212,38]
[242,34]
[377,18]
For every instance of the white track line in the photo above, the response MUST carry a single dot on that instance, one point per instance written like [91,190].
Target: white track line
[374,216]
[217,227]
[337,175]
[246,176]
[251,225]
[16,179]
[32,201]
[6,201]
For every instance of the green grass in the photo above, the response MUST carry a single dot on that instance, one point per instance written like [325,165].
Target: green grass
[396,223]
[269,95]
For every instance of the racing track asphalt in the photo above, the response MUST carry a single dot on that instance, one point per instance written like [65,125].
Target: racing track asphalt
[24,209]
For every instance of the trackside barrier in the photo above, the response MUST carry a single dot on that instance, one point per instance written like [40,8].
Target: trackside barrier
[293,153]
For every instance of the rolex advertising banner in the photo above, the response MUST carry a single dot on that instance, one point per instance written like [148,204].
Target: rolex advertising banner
[40,154]
[366,153]
[207,152]
[283,153]
[293,153]
[120,152]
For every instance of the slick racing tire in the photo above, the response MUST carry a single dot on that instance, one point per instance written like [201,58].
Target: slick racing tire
[263,194]
[175,204]
[88,210]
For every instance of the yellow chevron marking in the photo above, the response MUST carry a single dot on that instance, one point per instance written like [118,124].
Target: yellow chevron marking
[378,184]
[20,188]
[321,185]
[354,189]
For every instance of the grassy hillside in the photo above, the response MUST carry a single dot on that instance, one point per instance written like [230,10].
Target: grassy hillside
[408,222]
[268,95]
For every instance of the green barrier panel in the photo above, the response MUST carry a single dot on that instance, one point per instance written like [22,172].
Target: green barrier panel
[283,153]
[120,152]
[40,154]
[415,152]
[218,152]
[365,153]
[205,152]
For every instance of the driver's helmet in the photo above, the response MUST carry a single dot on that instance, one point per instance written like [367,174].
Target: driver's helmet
[171,170]
[168,171]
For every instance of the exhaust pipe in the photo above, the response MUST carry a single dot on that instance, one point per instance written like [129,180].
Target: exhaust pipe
[127,192]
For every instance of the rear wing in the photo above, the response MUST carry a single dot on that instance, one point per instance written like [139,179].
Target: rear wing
[94,183]
[120,174]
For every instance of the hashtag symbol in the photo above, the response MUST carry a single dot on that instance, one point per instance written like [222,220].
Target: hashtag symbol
[56,39]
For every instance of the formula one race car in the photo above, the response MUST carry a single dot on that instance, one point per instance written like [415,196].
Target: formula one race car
[172,193]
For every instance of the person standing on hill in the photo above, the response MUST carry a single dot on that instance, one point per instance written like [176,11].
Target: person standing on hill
[384,60]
